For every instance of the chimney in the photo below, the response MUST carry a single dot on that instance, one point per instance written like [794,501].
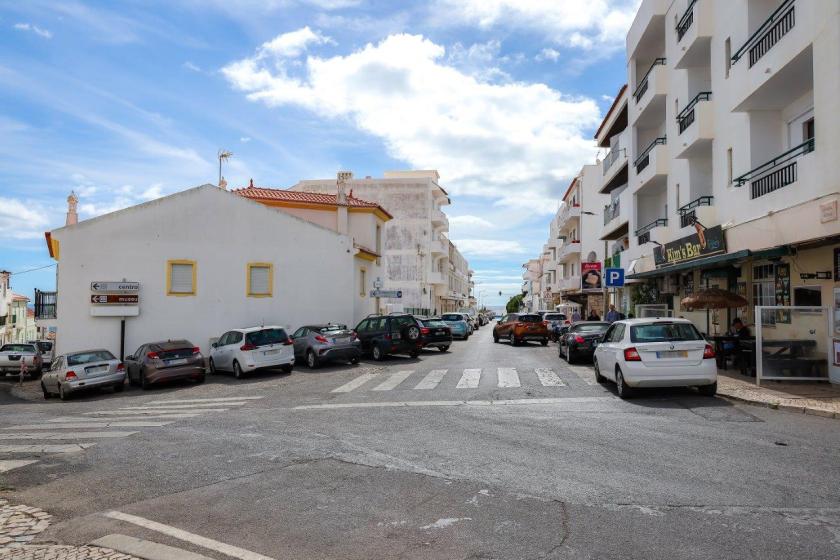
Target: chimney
[72,216]
[342,218]
[223,184]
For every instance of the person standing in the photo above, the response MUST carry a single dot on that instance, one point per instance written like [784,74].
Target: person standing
[612,315]
[593,315]
[576,316]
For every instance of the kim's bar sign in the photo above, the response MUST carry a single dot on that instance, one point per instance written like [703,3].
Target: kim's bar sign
[705,243]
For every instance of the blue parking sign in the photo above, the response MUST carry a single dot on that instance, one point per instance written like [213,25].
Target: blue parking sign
[614,277]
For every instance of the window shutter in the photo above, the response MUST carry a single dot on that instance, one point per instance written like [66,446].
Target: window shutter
[260,278]
[181,279]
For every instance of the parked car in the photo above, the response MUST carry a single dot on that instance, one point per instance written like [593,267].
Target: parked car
[482,319]
[655,353]
[169,360]
[458,323]
[436,333]
[321,343]
[473,316]
[381,335]
[581,340]
[521,327]
[47,348]
[252,348]
[79,371]
[12,354]
[556,323]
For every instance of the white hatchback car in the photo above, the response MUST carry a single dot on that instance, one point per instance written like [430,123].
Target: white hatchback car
[246,350]
[656,353]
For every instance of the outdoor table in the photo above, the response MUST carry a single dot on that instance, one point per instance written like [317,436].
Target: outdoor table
[719,341]
[791,356]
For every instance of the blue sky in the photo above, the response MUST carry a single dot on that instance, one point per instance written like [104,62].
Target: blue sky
[127,101]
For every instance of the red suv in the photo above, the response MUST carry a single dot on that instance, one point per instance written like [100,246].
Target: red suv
[519,327]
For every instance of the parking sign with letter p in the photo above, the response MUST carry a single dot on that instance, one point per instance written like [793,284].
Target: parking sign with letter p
[614,277]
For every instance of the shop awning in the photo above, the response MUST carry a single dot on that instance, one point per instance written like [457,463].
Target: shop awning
[713,262]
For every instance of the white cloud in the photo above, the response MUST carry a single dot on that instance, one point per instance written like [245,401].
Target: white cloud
[494,140]
[489,247]
[245,139]
[548,54]
[45,33]
[20,219]
[293,43]
[191,66]
[597,23]
[469,222]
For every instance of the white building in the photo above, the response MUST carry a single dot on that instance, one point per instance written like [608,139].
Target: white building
[416,247]
[207,260]
[6,296]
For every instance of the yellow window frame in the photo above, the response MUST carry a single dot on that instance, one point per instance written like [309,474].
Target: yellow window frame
[270,267]
[169,264]
[362,280]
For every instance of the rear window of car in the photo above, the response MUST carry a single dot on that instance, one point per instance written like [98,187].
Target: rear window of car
[555,317]
[332,328]
[664,332]
[434,323]
[171,345]
[45,346]
[89,357]
[18,348]
[452,317]
[265,337]
[589,328]
[530,319]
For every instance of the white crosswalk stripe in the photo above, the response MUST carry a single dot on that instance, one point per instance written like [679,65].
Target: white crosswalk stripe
[58,448]
[432,379]
[156,412]
[508,377]
[355,384]
[6,466]
[85,425]
[129,418]
[181,406]
[212,400]
[65,435]
[469,379]
[584,373]
[394,380]
[549,378]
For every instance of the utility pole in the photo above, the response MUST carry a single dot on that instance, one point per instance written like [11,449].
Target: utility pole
[223,155]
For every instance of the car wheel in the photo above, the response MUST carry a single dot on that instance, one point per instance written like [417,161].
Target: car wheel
[624,391]
[212,367]
[414,353]
[598,377]
[544,342]
[62,394]
[354,361]
[569,356]
[44,390]
[286,368]
[512,339]
[377,353]
[708,390]
[311,360]
[237,370]
[443,348]
[495,337]
[118,388]
[144,382]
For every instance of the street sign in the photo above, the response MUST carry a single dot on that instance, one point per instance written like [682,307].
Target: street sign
[386,293]
[614,277]
[125,287]
[114,299]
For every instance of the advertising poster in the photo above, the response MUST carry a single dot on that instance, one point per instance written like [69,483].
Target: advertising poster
[590,276]
[783,292]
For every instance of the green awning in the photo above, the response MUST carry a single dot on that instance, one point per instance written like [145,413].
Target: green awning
[713,261]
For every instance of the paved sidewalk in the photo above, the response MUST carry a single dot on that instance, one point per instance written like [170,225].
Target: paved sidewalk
[819,399]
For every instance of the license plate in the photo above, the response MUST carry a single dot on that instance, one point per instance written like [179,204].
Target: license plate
[440,332]
[270,352]
[673,354]
[176,362]
[97,369]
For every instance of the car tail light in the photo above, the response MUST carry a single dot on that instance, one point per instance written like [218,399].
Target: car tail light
[320,338]
[579,339]
[247,346]
[708,352]
[631,355]
[120,366]
[70,375]
[196,350]
[152,355]
[424,330]
[387,337]
[288,342]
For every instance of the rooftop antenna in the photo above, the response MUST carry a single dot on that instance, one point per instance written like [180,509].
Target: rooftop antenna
[223,155]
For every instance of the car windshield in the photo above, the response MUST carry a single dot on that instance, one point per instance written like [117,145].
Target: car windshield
[89,357]
[332,328]
[598,328]
[555,317]
[265,337]
[664,332]
[17,348]
[530,319]
[452,317]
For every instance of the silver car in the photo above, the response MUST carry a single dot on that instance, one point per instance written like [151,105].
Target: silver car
[316,344]
[77,371]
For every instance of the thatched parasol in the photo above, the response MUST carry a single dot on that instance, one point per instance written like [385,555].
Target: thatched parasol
[713,298]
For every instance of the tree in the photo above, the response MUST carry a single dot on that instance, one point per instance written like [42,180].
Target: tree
[514,304]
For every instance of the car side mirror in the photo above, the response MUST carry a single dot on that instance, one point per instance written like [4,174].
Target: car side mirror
[129,357]
[214,345]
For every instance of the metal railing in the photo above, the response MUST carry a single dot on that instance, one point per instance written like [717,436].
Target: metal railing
[643,83]
[610,159]
[686,20]
[612,210]
[45,305]
[686,116]
[643,233]
[688,213]
[644,159]
[769,33]
[776,173]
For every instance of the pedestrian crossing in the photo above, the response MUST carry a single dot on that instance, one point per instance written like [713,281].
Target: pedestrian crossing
[25,444]
[469,378]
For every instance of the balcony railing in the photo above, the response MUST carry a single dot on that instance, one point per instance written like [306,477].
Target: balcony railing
[776,173]
[688,214]
[771,31]
[643,233]
[610,159]
[45,304]
[644,159]
[611,211]
[686,20]
[643,83]
[686,116]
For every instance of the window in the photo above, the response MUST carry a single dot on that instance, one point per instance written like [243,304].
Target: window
[808,129]
[807,296]
[363,326]
[664,332]
[362,281]
[299,333]
[265,337]
[234,337]
[727,52]
[729,167]
[180,278]
[260,279]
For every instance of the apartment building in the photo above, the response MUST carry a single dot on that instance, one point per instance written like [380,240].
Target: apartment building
[731,179]
[532,285]
[416,249]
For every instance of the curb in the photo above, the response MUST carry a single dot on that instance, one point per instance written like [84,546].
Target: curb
[23,394]
[782,406]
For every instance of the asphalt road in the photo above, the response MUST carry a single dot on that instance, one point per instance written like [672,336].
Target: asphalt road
[432,458]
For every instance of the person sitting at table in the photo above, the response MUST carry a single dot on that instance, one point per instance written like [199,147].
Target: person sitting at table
[733,347]
[739,329]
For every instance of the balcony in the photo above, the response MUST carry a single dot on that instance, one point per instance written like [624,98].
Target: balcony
[646,29]
[643,234]
[696,123]
[437,277]
[45,305]
[614,163]
[648,108]
[439,247]
[569,283]
[652,163]
[780,22]
[777,173]
[439,219]
[567,213]
[616,216]
[694,211]
[694,35]
[569,248]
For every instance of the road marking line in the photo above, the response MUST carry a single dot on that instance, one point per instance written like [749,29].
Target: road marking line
[85,425]
[180,406]
[469,379]
[549,378]
[432,379]
[6,466]
[508,377]
[66,435]
[146,412]
[140,548]
[138,418]
[61,448]
[585,374]
[223,548]
[507,402]
[393,380]
[214,400]
[355,384]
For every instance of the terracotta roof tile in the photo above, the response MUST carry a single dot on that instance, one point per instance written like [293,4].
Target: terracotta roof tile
[259,193]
